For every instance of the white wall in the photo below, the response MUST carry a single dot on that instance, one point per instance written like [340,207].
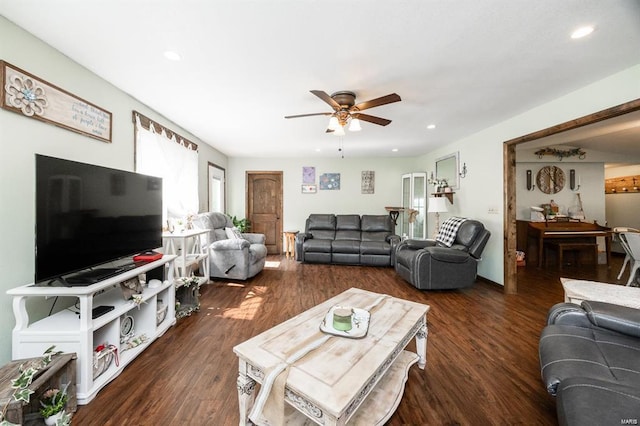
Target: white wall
[591,190]
[481,191]
[348,200]
[22,137]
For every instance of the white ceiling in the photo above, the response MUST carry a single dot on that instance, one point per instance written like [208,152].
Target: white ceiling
[463,65]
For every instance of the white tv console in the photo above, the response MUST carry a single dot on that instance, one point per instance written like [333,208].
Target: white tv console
[81,334]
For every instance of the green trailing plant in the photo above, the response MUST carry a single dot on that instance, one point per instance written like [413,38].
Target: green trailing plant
[20,385]
[241,224]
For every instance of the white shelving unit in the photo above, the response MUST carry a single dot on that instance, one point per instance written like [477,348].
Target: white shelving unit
[81,334]
[192,252]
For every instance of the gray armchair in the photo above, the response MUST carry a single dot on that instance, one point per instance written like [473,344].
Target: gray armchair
[432,265]
[231,258]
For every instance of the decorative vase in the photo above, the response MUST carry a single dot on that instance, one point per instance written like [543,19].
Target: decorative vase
[52,420]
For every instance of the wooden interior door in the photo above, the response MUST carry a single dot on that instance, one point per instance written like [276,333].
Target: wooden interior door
[264,207]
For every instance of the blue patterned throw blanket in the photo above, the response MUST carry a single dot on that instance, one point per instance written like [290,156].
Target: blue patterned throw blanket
[448,230]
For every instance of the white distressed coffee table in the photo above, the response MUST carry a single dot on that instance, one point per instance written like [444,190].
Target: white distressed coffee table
[360,381]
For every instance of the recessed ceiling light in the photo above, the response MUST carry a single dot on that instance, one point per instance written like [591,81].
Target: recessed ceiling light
[395,150]
[318,149]
[431,126]
[582,32]
[172,56]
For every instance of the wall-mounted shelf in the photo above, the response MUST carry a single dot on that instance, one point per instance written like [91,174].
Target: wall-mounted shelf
[449,195]
[622,185]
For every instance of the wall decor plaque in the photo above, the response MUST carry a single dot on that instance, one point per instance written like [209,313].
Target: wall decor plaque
[330,182]
[33,97]
[368,182]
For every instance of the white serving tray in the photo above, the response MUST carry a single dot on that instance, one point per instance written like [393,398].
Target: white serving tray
[359,323]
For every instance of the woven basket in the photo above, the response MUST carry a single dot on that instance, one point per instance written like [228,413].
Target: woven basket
[102,360]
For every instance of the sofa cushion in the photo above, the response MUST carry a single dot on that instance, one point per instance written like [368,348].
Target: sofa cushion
[376,223]
[583,401]
[375,247]
[348,222]
[448,231]
[345,246]
[317,246]
[324,222]
[233,233]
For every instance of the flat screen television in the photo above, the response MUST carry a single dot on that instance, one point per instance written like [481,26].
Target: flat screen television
[88,215]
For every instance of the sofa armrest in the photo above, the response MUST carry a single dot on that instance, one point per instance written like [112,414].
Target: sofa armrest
[568,314]
[302,236]
[393,239]
[443,254]
[418,244]
[230,244]
[254,238]
[621,319]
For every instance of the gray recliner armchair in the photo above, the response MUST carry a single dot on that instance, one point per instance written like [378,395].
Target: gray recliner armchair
[589,361]
[435,265]
[231,258]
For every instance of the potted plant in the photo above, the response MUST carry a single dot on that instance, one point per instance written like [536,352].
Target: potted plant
[52,405]
[241,224]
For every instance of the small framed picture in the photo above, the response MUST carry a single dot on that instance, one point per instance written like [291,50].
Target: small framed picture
[309,189]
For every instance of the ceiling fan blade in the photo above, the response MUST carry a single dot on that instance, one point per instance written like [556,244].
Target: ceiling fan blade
[372,119]
[328,99]
[308,115]
[393,97]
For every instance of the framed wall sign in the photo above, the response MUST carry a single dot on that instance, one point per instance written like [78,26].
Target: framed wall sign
[309,189]
[368,182]
[33,97]
[330,181]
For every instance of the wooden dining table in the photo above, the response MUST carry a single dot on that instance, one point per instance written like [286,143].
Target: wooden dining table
[539,232]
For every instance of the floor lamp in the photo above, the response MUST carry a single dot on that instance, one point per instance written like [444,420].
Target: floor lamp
[437,205]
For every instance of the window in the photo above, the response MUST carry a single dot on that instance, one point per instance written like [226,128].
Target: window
[216,188]
[161,152]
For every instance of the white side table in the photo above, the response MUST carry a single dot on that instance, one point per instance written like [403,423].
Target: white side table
[575,291]
[191,252]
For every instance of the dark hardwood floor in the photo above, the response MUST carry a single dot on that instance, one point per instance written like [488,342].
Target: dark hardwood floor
[482,348]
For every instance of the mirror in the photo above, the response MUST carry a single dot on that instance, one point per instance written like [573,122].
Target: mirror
[447,168]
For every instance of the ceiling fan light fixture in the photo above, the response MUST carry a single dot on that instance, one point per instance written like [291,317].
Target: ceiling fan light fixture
[354,125]
[334,124]
[339,131]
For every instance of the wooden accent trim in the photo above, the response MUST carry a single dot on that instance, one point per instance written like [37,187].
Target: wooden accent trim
[509,220]
[622,185]
[146,123]
[509,159]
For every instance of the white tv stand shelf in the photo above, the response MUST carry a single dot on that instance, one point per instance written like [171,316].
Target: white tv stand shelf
[81,334]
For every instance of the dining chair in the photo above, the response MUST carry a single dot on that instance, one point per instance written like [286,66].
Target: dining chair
[630,241]
[616,235]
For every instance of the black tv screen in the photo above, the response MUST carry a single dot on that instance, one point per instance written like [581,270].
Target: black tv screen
[88,215]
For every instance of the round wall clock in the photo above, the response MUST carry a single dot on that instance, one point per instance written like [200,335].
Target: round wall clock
[550,179]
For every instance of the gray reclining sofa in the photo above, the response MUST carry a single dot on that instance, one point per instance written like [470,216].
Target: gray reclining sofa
[347,239]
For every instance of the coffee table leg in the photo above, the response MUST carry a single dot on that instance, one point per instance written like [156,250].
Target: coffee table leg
[421,345]
[246,397]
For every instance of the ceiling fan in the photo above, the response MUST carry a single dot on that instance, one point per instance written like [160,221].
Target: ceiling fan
[345,110]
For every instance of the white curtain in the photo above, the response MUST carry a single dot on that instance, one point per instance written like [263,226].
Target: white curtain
[175,163]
